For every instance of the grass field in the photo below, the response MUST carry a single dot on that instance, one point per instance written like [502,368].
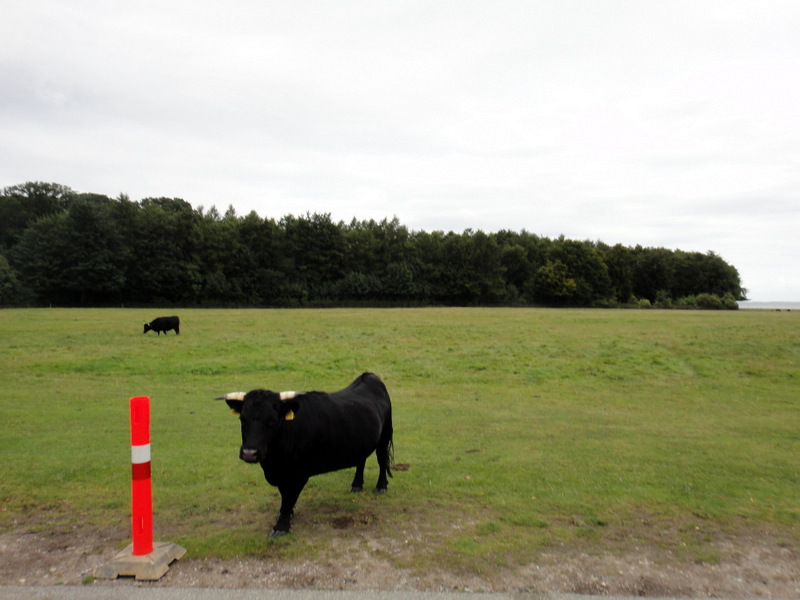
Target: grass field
[520,428]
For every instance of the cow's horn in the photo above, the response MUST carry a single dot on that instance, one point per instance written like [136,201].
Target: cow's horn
[232,396]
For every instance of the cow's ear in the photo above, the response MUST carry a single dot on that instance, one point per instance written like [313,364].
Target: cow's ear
[289,409]
[235,400]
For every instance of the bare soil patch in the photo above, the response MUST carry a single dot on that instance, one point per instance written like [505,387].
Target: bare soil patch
[755,565]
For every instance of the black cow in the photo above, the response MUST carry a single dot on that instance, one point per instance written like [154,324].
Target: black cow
[163,324]
[295,435]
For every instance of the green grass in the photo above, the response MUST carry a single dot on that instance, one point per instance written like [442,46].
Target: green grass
[521,428]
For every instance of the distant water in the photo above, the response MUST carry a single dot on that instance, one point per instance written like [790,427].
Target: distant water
[770,305]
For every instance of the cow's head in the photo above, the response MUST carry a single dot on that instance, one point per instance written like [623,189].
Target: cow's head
[262,414]
[146,327]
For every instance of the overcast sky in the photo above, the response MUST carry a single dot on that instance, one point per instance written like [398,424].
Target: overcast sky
[661,123]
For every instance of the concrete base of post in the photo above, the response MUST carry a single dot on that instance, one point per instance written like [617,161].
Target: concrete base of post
[148,567]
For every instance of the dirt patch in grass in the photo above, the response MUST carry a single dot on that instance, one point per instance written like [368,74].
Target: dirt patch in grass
[742,565]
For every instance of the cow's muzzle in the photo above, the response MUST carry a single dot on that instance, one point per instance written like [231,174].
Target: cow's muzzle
[248,455]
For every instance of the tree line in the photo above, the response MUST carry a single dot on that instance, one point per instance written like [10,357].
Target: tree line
[60,247]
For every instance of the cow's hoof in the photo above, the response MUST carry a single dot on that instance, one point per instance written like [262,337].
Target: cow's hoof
[355,489]
[380,490]
[276,534]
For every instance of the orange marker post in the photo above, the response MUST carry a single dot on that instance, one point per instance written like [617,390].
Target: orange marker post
[141,485]
[143,559]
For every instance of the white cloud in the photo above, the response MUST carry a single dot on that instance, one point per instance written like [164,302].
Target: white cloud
[671,124]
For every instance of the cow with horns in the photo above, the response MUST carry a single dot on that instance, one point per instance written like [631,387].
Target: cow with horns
[296,435]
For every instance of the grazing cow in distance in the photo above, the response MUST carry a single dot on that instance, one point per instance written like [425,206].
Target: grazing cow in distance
[295,435]
[163,324]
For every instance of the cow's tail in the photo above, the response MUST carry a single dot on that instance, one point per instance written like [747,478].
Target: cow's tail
[386,443]
[390,464]
[388,432]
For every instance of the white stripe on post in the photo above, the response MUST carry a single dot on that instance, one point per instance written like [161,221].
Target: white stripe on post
[140,454]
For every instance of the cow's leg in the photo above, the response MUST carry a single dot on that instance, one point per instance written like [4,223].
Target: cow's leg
[358,480]
[383,481]
[290,491]
[383,453]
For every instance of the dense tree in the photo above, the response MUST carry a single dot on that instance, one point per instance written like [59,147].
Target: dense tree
[585,267]
[426,258]
[653,272]
[315,246]
[69,248]
[517,269]
[11,291]
[620,260]
[165,241]
[74,257]
[21,205]
[266,262]
[553,285]
[398,282]
[95,256]
[224,261]
[472,270]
